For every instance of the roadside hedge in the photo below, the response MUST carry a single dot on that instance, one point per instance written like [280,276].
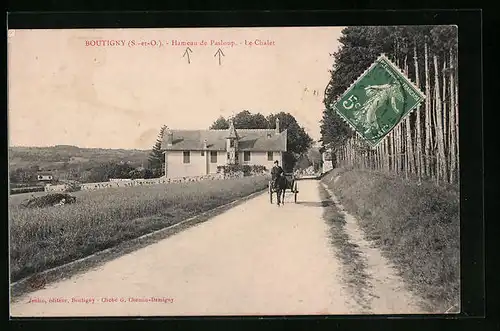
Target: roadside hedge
[246,169]
[20,190]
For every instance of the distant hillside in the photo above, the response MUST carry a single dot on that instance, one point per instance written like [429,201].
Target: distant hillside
[67,156]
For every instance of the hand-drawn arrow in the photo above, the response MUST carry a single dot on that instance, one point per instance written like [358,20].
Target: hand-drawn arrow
[219,52]
[187,53]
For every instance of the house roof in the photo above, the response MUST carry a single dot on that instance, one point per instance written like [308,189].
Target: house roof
[248,140]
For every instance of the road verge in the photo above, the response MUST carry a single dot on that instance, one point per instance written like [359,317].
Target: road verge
[416,226]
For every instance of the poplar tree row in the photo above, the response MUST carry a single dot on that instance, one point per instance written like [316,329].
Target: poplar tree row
[425,144]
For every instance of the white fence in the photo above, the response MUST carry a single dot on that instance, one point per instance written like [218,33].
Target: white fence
[56,188]
[140,182]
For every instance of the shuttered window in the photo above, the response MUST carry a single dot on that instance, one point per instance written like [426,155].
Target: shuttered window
[213,156]
[187,156]
[269,156]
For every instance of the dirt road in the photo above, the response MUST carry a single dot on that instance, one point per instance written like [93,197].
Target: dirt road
[255,259]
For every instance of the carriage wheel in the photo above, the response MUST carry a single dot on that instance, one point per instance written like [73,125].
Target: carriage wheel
[295,192]
[270,194]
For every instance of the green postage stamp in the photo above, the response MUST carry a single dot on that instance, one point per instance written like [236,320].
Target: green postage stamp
[378,100]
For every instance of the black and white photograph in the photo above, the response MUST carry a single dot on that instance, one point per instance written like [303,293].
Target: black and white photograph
[235,171]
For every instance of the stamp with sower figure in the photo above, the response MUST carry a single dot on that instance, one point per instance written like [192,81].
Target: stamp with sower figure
[378,100]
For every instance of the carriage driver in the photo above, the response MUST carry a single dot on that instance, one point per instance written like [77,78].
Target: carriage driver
[276,172]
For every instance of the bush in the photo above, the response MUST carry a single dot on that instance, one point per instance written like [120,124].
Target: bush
[246,169]
[150,173]
[258,169]
[141,174]
[48,200]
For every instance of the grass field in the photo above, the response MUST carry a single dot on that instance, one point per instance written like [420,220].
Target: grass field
[44,238]
[416,226]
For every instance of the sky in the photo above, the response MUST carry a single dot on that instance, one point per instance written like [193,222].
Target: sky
[64,90]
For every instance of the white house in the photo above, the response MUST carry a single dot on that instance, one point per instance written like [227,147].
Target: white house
[327,161]
[200,152]
[44,176]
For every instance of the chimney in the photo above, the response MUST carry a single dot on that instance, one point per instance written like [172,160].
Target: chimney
[277,130]
[204,144]
[170,138]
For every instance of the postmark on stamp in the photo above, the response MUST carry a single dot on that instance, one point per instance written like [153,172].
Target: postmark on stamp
[378,100]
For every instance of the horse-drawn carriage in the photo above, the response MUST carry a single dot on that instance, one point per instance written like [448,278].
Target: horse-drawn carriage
[286,181]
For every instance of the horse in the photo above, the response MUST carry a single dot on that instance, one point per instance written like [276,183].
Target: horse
[280,185]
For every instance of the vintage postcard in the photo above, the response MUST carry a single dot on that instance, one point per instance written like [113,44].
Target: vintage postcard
[234,171]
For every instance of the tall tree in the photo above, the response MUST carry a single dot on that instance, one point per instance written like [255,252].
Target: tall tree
[242,120]
[409,152]
[438,123]
[302,163]
[156,158]
[418,115]
[453,132]
[298,140]
[428,115]
[220,124]
[334,132]
[246,120]
[315,157]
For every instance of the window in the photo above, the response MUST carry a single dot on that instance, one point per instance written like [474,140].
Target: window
[246,156]
[202,153]
[231,143]
[228,156]
[187,156]
[269,156]
[213,156]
